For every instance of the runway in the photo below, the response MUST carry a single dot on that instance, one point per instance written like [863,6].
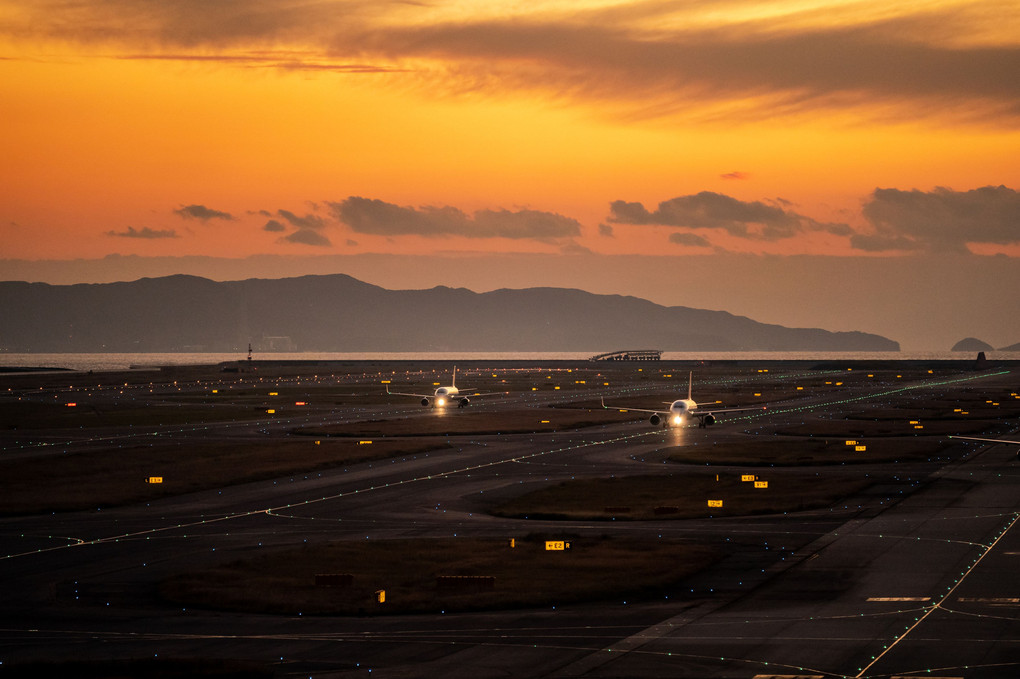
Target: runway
[914,576]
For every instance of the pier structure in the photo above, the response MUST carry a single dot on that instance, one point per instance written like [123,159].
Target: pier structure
[629,355]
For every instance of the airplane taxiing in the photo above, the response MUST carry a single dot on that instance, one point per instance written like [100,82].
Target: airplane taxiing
[444,395]
[683,409]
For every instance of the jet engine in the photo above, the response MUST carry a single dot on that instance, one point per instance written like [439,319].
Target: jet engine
[708,420]
[425,402]
[463,401]
[655,419]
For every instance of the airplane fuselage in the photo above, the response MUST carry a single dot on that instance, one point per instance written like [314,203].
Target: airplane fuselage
[679,410]
[443,395]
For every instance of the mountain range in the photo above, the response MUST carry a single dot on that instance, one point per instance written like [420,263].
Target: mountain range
[338,313]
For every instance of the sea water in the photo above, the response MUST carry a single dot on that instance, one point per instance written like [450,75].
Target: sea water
[151,361]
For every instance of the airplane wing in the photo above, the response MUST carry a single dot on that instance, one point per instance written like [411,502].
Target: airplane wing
[634,410]
[461,394]
[402,393]
[974,438]
[701,410]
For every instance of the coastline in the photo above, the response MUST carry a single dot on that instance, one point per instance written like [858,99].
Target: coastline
[27,363]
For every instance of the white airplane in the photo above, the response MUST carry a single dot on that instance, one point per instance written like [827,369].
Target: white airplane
[444,395]
[682,409]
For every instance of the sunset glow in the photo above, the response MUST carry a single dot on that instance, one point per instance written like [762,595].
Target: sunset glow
[235,128]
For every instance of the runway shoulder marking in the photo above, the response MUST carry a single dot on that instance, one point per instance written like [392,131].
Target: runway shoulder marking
[899,598]
[995,601]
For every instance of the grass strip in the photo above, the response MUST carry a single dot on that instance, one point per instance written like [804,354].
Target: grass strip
[409,572]
[108,478]
[681,496]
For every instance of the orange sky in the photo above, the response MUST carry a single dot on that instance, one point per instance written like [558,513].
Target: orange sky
[119,113]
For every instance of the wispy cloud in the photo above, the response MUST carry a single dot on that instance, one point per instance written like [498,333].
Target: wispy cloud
[202,213]
[309,221]
[371,216]
[308,227]
[282,61]
[937,221]
[144,233]
[942,220]
[307,237]
[729,74]
[640,59]
[684,238]
[714,211]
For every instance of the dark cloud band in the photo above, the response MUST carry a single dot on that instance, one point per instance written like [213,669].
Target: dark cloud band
[942,220]
[606,54]
[709,210]
[144,233]
[371,216]
[202,213]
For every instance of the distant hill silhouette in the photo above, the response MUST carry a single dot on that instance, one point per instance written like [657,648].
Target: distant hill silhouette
[340,313]
[972,344]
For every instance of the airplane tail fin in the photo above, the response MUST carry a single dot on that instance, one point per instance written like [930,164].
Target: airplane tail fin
[453,382]
[690,384]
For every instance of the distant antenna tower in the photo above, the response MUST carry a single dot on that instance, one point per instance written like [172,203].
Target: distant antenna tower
[249,351]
